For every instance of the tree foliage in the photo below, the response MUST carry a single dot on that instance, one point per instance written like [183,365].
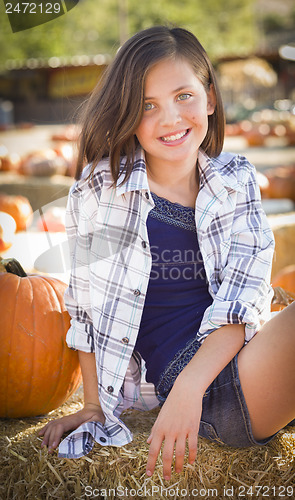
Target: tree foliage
[92,27]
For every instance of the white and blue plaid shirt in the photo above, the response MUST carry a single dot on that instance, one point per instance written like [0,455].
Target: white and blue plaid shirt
[111,264]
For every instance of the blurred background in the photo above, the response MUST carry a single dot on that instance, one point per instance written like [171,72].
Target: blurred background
[48,71]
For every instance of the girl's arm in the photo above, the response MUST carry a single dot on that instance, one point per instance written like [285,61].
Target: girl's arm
[179,418]
[90,385]
[91,411]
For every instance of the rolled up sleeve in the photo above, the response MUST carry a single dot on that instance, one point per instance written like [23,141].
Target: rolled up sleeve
[77,297]
[244,293]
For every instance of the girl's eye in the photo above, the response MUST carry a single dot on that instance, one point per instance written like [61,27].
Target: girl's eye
[148,106]
[183,97]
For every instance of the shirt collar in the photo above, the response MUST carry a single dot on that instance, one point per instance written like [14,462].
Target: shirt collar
[218,173]
[138,177]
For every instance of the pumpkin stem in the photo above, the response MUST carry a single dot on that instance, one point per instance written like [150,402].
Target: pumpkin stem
[13,266]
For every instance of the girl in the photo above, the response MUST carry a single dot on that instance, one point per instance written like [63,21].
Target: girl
[171,251]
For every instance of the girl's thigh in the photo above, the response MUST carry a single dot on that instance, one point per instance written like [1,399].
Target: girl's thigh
[267,374]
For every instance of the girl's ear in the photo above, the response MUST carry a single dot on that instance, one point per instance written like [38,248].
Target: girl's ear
[211,100]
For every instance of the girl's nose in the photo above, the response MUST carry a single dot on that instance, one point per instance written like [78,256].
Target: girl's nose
[169,116]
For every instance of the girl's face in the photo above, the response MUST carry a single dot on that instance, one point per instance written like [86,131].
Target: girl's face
[175,119]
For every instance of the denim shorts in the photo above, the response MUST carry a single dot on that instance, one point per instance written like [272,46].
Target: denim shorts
[225,418]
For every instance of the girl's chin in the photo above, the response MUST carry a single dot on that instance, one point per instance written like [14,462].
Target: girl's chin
[172,156]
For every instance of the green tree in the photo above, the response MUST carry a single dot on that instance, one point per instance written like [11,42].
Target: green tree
[93,27]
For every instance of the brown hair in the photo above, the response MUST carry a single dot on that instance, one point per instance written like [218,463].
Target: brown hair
[115,108]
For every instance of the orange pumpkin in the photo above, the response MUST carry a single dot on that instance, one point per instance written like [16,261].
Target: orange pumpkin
[285,278]
[38,372]
[7,230]
[281,299]
[284,288]
[70,132]
[19,208]
[9,162]
[281,182]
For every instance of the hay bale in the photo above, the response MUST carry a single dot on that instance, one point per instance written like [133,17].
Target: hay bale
[27,472]
[283,227]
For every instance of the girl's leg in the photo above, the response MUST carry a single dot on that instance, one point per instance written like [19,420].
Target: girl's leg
[267,374]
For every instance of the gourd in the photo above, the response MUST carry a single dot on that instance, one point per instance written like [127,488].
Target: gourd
[38,372]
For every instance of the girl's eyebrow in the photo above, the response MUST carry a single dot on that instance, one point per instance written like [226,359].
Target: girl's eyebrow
[173,92]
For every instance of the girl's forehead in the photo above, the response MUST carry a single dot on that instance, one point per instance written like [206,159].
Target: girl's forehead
[171,72]
[171,63]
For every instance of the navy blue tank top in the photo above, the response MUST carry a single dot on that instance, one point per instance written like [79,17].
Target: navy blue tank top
[177,294]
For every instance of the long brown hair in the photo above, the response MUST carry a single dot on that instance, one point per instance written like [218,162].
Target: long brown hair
[115,107]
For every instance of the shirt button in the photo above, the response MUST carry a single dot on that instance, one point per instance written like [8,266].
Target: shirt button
[147,195]
[103,440]
[143,243]
[136,292]
[125,340]
[110,389]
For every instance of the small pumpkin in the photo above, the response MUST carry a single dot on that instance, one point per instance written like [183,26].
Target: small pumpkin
[285,278]
[70,132]
[284,288]
[255,138]
[9,162]
[44,163]
[52,220]
[281,182]
[38,372]
[281,299]
[263,184]
[7,230]
[19,208]
[69,154]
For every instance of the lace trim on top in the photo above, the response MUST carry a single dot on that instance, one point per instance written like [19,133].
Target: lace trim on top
[173,213]
[173,369]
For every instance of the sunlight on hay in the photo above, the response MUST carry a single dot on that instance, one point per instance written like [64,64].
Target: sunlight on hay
[27,472]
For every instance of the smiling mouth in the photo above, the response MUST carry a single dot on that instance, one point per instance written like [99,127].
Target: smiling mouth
[174,137]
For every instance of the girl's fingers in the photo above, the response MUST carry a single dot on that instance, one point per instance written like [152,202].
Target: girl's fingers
[149,439]
[56,436]
[192,446]
[52,436]
[54,439]
[43,430]
[179,453]
[46,438]
[168,457]
[155,446]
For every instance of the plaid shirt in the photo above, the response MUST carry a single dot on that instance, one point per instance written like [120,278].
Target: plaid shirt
[111,264]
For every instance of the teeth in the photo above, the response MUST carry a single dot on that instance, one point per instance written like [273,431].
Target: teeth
[175,137]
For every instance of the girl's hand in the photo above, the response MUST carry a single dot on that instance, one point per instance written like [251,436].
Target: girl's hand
[178,421]
[54,430]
